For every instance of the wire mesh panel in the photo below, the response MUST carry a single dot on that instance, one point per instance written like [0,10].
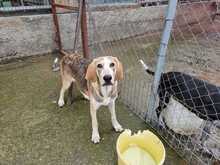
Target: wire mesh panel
[112,1]
[23,5]
[188,98]
[189,89]
[188,109]
[125,33]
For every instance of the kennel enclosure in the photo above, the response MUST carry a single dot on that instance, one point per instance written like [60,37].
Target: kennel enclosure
[134,34]
[131,33]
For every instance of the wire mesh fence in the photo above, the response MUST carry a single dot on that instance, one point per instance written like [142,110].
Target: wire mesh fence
[21,5]
[112,1]
[188,106]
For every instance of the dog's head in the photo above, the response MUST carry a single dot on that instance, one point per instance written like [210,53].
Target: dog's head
[106,70]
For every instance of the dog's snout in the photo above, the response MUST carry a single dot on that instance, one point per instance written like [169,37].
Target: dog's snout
[107,78]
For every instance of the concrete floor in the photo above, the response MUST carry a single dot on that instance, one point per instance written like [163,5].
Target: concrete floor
[33,130]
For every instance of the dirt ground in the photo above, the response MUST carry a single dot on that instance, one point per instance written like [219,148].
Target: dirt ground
[35,131]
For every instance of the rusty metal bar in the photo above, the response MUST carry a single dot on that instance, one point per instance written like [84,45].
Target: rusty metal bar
[77,27]
[66,7]
[83,22]
[84,31]
[56,25]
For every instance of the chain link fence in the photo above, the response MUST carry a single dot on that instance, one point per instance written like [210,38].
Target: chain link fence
[187,107]
[23,5]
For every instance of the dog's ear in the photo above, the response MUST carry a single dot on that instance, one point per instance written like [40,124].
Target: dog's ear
[91,72]
[119,69]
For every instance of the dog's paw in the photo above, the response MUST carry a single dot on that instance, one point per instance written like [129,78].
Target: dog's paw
[118,128]
[61,103]
[95,138]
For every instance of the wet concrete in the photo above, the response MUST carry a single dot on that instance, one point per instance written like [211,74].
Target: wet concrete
[33,130]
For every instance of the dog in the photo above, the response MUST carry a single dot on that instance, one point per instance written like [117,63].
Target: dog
[191,107]
[200,97]
[97,80]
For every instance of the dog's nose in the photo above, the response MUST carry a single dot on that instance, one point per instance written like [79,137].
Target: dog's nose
[107,78]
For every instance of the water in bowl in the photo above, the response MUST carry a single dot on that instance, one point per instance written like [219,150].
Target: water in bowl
[134,155]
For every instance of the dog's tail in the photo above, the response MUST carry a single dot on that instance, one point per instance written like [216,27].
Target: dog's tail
[55,66]
[85,95]
[146,68]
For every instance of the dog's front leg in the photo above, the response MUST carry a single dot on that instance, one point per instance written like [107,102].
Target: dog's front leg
[95,131]
[115,123]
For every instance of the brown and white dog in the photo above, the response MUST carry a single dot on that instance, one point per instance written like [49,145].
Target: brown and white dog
[97,80]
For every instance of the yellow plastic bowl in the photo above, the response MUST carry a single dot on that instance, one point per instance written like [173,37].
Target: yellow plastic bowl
[146,141]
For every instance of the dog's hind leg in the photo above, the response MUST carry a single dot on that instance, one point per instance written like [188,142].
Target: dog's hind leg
[66,83]
[70,93]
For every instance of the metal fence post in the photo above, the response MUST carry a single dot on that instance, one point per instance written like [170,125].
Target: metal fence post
[84,30]
[56,26]
[171,10]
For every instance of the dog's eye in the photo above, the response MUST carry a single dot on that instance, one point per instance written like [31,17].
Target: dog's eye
[99,66]
[112,65]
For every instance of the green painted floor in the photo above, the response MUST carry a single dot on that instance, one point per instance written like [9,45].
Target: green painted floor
[34,131]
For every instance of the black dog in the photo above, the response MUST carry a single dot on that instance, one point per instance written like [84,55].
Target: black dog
[198,96]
